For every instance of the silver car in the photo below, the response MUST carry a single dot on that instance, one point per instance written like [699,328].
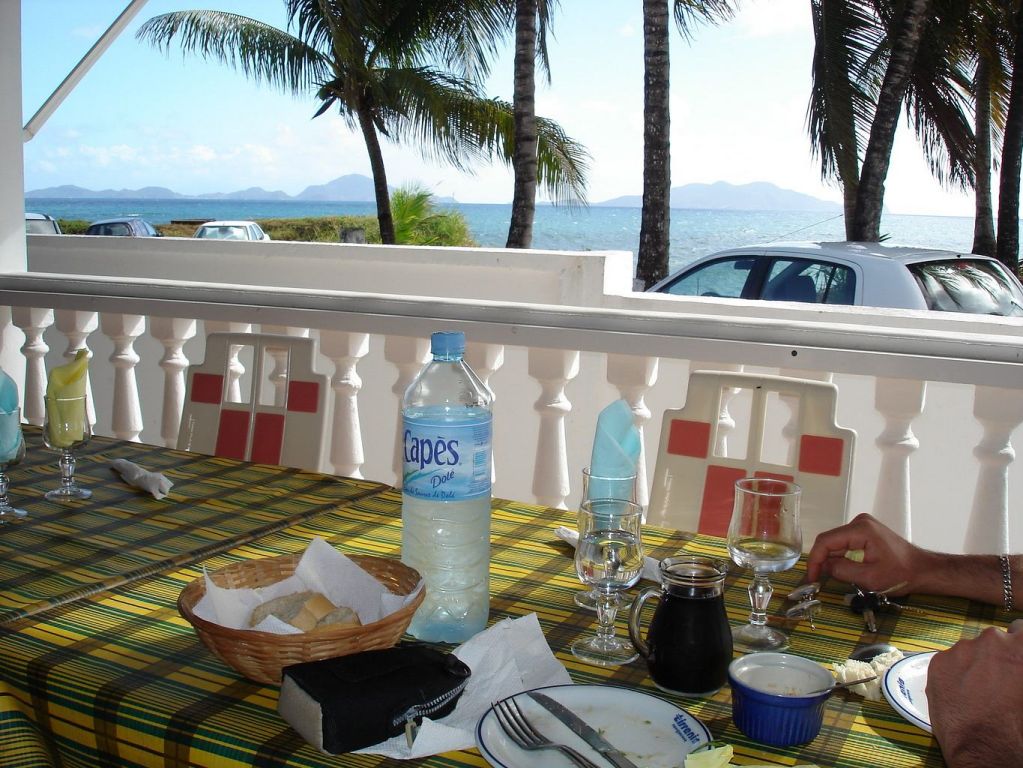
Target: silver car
[866,274]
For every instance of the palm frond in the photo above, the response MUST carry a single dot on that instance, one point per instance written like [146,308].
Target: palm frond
[688,13]
[261,51]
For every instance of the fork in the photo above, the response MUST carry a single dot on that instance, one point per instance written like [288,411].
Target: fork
[525,736]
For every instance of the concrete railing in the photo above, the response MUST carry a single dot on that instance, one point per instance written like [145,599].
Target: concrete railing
[935,399]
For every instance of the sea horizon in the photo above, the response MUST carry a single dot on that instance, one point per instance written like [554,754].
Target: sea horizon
[694,232]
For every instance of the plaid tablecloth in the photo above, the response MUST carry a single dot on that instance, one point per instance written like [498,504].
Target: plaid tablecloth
[65,551]
[120,679]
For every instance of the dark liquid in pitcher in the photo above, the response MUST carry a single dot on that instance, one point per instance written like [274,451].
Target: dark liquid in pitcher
[690,644]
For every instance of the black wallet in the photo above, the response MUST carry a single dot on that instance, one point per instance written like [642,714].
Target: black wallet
[355,701]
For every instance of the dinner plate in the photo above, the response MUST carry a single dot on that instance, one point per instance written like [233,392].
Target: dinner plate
[904,686]
[652,732]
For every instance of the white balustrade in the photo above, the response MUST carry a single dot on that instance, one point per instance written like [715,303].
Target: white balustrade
[172,333]
[76,327]
[33,322]
[235,367]
[408,355]
[633,376]
[553,369]
[346,350]
[900,402]
[122,330]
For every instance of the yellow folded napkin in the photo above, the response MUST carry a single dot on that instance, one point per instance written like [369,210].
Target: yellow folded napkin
[66,419]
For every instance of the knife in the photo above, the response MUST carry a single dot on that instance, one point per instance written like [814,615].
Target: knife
[586,732]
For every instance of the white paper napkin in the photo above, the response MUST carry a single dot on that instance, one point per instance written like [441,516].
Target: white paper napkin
[651,566]
[137,477]
[320,569]
[509,657]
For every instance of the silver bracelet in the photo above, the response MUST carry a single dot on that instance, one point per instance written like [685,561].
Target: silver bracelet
[1006,582]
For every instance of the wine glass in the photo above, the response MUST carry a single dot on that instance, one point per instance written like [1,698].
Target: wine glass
[12,451]
[603,486]
[609,557]
[764,535]
[65,428]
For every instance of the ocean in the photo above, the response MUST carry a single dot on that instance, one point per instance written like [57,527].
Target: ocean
[694,233]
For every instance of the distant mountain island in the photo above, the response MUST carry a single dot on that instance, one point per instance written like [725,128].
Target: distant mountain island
[757,196]
[354,187]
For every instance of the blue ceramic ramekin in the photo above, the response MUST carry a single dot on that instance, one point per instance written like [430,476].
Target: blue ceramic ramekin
[768,701]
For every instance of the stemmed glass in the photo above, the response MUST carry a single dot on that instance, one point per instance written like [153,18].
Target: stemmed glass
[12,451]
[764,535]
[601,486]
[609,557]
[67,427]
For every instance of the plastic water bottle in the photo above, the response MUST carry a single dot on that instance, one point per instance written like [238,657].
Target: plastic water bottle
[445,504]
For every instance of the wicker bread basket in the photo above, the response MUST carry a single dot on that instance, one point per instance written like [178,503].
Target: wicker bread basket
[260,656]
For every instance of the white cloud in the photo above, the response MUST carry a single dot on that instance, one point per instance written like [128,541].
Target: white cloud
[115,153]
[202,153]
[768,18]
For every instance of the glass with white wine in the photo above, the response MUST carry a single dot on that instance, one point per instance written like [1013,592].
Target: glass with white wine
[763,535]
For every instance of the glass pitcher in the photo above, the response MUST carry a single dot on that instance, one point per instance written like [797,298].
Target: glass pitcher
[688,646]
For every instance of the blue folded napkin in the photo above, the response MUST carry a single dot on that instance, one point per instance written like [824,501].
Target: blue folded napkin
[10,428]
[615,453]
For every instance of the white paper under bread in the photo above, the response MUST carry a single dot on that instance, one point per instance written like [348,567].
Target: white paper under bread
[320,569]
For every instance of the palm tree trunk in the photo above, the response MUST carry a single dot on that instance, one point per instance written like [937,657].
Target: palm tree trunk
[524,162]
[1012,158]
[870,195]
[376,164]
[652,264]
[983,220]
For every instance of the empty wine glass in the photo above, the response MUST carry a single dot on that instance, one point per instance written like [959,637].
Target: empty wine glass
[12,451]
[67,427]
[609,557]
[605,486]
[764,535]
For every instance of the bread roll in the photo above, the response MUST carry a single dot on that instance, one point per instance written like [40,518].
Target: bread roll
[285,607]
[304,610]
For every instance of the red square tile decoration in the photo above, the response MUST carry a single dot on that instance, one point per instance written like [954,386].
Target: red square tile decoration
[267,438]
[207,387]
[232,434]
[689,438]
[303,396]
[718,496]
[821,455]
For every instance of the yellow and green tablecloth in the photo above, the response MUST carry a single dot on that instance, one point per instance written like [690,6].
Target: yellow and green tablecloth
[118,678]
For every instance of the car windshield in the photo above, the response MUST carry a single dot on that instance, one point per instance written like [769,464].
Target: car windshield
[40,227]
[223,233]
[969,285]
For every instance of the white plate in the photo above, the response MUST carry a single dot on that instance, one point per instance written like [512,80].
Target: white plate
[652,732]
[904,686]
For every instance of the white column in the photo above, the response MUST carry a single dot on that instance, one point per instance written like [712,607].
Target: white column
[553,369]
[408,355]
[278,377]
[485,360]
[235,369]
[172,333]
[999,412]
[126,411]
[899,401]
[346,448]
[633,376]
[33,323]
[77,326]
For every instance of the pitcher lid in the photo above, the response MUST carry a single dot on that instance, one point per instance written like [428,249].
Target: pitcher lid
[693,570]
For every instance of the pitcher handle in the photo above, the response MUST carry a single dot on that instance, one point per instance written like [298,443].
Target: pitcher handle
[634,633]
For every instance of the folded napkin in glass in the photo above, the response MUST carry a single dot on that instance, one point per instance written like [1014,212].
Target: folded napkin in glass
[134,475]
[347,703]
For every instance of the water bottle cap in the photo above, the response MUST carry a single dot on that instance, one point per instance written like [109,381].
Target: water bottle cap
[447,344]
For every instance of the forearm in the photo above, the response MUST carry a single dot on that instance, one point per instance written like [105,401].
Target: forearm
[976,577]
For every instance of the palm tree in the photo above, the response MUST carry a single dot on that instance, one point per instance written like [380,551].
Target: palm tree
[652,261]
[1012,151]
[386,65]
[520,229]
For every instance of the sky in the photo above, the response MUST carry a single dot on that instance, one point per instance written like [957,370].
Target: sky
[144,118]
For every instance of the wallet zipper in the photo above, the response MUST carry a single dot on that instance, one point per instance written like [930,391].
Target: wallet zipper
[425,709]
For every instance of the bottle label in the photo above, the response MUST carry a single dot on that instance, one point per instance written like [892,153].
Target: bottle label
[446,461]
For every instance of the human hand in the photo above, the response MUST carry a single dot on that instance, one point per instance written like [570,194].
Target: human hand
[888,559]
[975,703]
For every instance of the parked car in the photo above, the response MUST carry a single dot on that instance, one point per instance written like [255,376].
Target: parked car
[130,226]
[41,224]
[867,274]
[231,230]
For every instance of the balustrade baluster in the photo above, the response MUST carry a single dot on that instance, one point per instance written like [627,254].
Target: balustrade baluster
[235,368]
[346,446]
[408,355]
[553,369]
[122,330]
[999,411]
[633,376]
[172,333]
[726,424]
[485,360]
[33,323]
[899,401]
[279,375]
